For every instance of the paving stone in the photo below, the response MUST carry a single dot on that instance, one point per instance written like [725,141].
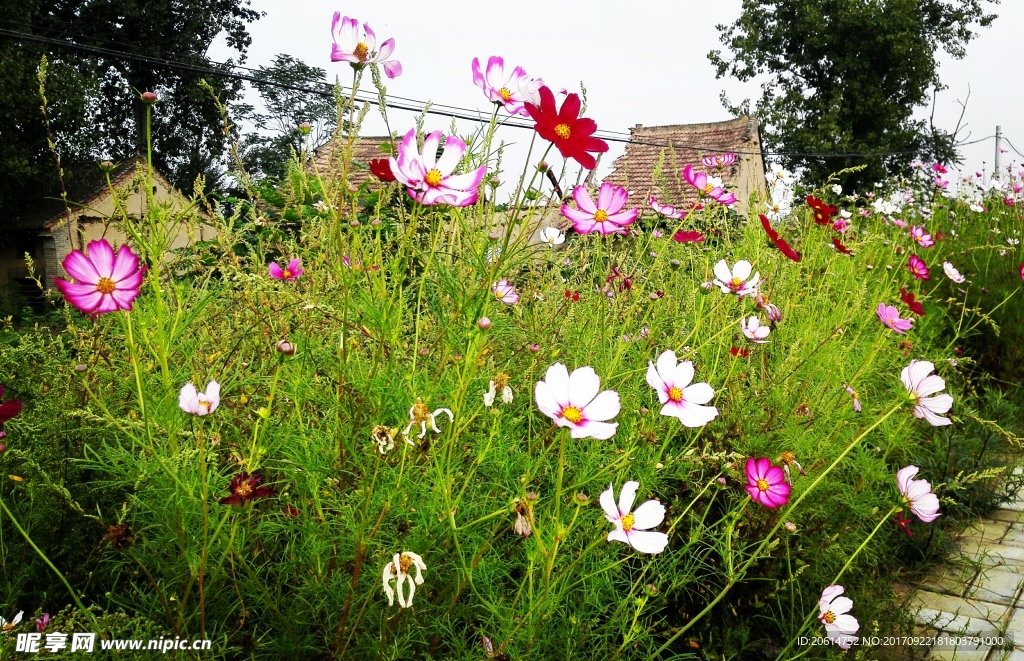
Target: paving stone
[1015,535]
[992,555]
[959,655]
[1007,515]
[986,530]
[1006,655]
[949,579]
[996,585]
[1015,627]
[956,615]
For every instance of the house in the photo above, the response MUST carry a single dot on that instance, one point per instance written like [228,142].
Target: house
[656,155]
[328,158]
[51,230]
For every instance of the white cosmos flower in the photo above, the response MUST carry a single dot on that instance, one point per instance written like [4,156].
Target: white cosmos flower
[952,273]
[6,627]
[778,175]
[420,415]
[754,331]
[633,528]
[552,236]
[576,401]
[199,403]
[835,615]
[918,494]
[678,396]
[397,570]
[918,379]
[735,280]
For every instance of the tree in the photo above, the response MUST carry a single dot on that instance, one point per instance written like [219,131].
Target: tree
[187,135]
[846,76]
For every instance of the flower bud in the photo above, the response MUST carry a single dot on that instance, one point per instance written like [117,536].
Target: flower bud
[494,182]
[3,448]
[81,367]
[286,348]
[582,498]
[484,323]
[722,481]
[790,526]
[650,589]
[494,236]
[534,348]
[531,496]
[542,166]
[376,222]
[305,128]
[107,166]
[675,263]
[424,351]
[354,223]
[149,97]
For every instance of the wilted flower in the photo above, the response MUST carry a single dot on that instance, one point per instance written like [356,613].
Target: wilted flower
[524,515]
[633,528]
[890,316]
[244,489]
[753,329]
[384,437]
[575,401]
[735,280]
[429,179]
[788,459]
[101,281]
[835,615]
[358,48]
[397,570]
[552,236]
[919,381]
[505,292]
[952,273]
[291,272]
[678,396]
[918,268]
[917,494]
[199,403]
[766,483]
[606,216]
[855,396]
[510,91]
[120,536]
[571,134]
[7,627]
[498,384]
[420,415]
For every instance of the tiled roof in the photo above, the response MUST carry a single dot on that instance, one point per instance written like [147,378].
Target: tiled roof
[683,144]
[328,158]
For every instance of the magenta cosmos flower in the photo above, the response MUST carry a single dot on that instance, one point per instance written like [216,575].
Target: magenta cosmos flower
[708,186]
[754,331]
[834,613]
[665,210]
[735,280]
[511,91]
[922,385]
[102,281]
[918,268]
[890,316]
[719,160]
[633,528]
[855,396]
[505,292]
[917,494]
[357,47]
[290,272]
[575,401]
[680,398]
[923,238]
[605,217]
[199,403]
[766,483]
[429,179]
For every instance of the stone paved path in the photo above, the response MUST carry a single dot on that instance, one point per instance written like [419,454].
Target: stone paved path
[978,592]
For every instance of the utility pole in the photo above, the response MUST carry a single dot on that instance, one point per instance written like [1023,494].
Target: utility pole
[999,144]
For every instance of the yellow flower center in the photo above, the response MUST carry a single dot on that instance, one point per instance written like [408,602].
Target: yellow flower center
[285,274]
[562,131]
[404,563]
[854,394]
[627,522]
[573,415]
[708,188]
[787,457]
[829,617]
[362,51]
[105,286]
[504,93]
[600,215]
[204,405]
[243,489]
[433,177]
[675,394]
[501,380]
[762,485]
[420,412]
[736,283]
[818,215]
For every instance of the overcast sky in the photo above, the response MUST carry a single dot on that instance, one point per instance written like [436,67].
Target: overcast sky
[642,62]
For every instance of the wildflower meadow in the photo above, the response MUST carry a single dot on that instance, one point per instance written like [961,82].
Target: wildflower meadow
[404,420]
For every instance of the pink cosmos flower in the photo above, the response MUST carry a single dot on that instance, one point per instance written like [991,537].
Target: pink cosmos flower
[718,160]
[754,331]
[735,280]
[102,281]
[633,528]
[199,403]
[918,268]
[665,210]
[605,217]
[707,187]
[952,273]
[291,272]
[358,48]
[919,381]
[834,613]
[766,483]
[429,179]
[923,238]
[505,292]
[917,494]
[774,313]
[511,91]
[890,316]
[1022,271]
[576,401]
[856,398]
[678,396]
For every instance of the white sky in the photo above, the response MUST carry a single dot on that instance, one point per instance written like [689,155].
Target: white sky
[642,62]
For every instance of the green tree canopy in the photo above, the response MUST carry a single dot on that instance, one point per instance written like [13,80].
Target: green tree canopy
[846,76]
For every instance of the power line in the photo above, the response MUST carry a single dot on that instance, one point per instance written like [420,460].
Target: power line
[422,107]
[1012,146]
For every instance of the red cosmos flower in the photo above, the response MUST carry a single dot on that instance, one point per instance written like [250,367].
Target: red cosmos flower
[7,411]
[822,212]
[570,133]
[742,353]
[688,237]
[904,524]
[840,247]
[381,168]
[572,295]
[914,306]
[779,242]
[244,490]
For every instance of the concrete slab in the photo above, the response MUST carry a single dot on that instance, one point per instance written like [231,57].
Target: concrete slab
[998,585]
